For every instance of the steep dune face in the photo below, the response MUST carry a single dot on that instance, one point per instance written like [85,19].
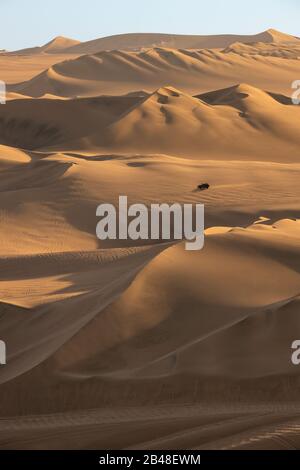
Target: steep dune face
[235,329]
[278,36]
[71,283]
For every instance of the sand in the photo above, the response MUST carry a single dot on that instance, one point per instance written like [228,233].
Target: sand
[136,41]
[144,345]
[268,66]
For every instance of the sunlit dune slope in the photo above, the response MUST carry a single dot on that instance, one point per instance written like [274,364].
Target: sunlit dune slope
[241,122]
[271,66]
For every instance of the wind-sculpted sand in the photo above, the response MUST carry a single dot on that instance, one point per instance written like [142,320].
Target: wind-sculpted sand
[142,344]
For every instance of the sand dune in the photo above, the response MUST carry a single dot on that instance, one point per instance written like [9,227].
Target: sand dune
[32,124]
[142,344]
[167,121]
[175,123]
[193,71]
[157,351]
[286,50]
[54,263]
[19,68]
[138,41]
[58,45]
[149,317]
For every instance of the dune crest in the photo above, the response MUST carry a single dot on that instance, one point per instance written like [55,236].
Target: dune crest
[58,45]
[138,41]
[194,71]
[166,121]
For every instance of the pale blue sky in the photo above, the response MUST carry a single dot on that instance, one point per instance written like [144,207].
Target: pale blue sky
[26,23]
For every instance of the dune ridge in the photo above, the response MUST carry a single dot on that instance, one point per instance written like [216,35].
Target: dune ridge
[58,45]
[194,71]
[136,41]
[166,121]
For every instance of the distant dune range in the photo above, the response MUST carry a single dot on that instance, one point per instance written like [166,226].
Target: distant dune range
[136,41]
[191,70]
[194,65]
[134,344]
